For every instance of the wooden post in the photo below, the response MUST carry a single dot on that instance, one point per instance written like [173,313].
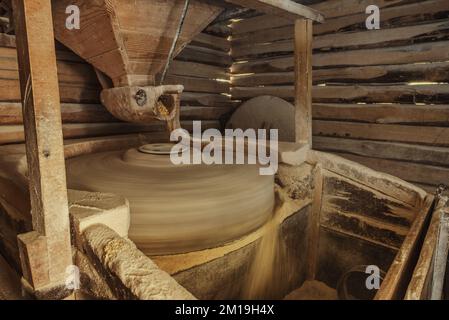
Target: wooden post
[303,81]
[46,252]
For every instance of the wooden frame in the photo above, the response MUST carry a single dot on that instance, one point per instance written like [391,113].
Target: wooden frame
[284,8]
[46,252]
[303,81]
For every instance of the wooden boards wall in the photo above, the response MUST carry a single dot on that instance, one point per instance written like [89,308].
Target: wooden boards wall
[381,97]
[202,67]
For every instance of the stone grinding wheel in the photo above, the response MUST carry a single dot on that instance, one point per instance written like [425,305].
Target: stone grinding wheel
[177,209]
[266,112]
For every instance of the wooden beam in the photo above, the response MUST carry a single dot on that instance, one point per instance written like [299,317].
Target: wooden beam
[46,252]
[283,8]
[303,81]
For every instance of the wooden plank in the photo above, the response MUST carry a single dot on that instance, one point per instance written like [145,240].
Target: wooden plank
[395,283]
[354,209]
[254,29]
[15,133]
[68,72]
[193,69]
[424,52]
[204,113]
[436,136]
[303,81]
[435,93]
[412,172]
[11,113]
[384,113]
[413,11]
[388,185]
[199,84]
[212,42]
[74,93]
[283,8]
[346,7]
[422,282]
[424,72]
[207,99]
[436,156]
[206,56]
[43,267]
[259,46]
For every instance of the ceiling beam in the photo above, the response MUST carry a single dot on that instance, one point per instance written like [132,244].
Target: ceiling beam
[285,8]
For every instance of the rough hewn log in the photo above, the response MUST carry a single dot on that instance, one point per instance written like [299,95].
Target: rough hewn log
[384,113]
[412,172]
[436,156]
[284,8]
[435,136]
[15,133]
[424,52]
[257,45]
[372,94]
[425,72]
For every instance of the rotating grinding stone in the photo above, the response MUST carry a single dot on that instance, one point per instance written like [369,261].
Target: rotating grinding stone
[178,208]
[266,112]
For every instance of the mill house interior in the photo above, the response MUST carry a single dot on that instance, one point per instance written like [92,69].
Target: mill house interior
[224,149]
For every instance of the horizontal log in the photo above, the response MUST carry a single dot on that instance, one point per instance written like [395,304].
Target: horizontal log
[205,55]
[433,136]
[259,45]
[436,156]
[204,113]
[68,72]
[397,15]
[415,173]
[7,40]
[332,9]
[10,92]
[11,113]
[207,99]
[424,52]
[194,69]
[287,9]
[71,68]
[220,29]
[373,94]
[212,42]
[199,84]
[384,113]
[15,133]
[424,72]
[414,12]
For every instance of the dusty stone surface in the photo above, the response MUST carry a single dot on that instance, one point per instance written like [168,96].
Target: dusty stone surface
[296,181]
[92,282]
[133,274]
[90,208]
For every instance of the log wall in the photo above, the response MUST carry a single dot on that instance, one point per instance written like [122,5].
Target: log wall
[381,97]
[202,67]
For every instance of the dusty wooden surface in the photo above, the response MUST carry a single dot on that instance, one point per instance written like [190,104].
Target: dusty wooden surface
[46,253]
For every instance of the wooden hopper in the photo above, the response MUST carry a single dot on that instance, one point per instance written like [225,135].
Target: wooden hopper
[130,43]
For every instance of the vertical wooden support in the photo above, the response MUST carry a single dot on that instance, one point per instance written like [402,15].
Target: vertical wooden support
[303,81]
[45,252]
